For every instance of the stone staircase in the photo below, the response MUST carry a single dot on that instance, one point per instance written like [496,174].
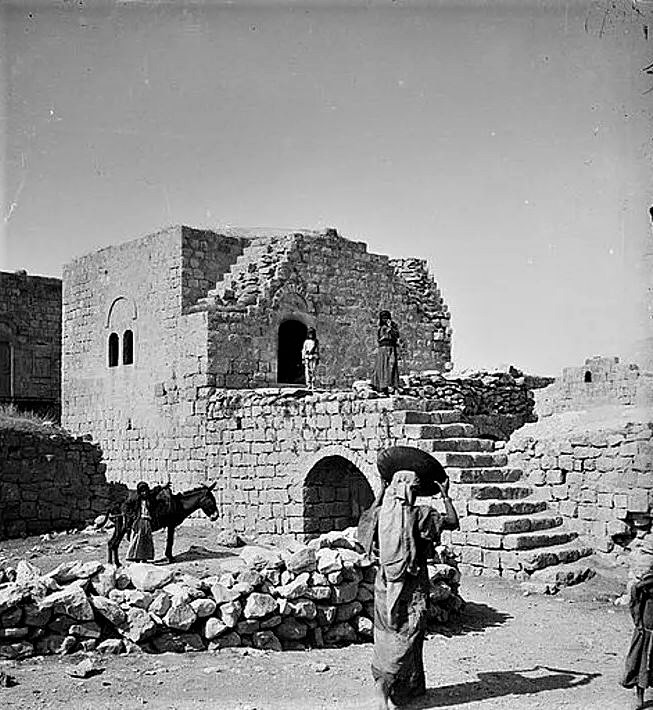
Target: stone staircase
[506,530]
[263,261]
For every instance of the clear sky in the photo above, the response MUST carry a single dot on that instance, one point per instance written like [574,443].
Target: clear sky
[508,143]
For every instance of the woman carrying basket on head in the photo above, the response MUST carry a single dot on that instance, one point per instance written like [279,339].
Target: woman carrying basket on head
[403,534]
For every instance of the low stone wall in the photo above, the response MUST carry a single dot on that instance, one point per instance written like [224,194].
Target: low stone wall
[596,479]
[497,403]
[316,595]
[48,482]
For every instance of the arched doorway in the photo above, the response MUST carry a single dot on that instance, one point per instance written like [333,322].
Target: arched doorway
[335,494]
[290,371]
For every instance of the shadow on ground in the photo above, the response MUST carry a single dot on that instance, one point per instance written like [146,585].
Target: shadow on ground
[196,553]
[497,684]
[475,617]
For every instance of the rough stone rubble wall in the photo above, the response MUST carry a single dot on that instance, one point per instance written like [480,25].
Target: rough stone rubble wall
[48,483]
[30,319]
[592,479]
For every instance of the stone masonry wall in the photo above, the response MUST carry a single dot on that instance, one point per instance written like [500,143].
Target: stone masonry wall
[49,483]
[150,416]
[334,285]
[600,381]
[30,321]
[138,286]
[593,478]
[205,258]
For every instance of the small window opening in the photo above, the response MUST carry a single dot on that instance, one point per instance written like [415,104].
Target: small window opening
[588,376]
[128,348]
[114,345]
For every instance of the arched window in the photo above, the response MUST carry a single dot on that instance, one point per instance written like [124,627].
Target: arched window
[588,376]
[128,348]
[114,346]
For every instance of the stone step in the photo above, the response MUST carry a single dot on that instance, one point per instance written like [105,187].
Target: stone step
[506,507]
[550,579]
[408,416]
[470,460]
[465,444]
[502,491]
[439,431]
[537,538]
[507,524]
[532,560]
[500,474]
[405,402]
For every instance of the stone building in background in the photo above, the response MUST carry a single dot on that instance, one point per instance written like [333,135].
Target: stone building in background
[152,327]
[600,381]
[30,342]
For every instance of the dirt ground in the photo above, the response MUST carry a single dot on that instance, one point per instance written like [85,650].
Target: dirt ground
[510,651]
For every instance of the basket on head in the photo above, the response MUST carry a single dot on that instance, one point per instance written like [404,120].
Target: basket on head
[409,458]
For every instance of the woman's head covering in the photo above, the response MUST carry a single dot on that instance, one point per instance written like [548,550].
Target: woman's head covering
[397,534]
[142,487]
[383,316]
[311,333]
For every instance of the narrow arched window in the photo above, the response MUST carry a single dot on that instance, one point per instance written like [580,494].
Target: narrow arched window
[114,345]
[588,376]
[128,348]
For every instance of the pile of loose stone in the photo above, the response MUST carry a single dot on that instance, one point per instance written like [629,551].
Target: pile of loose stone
[315,595]
[482,392]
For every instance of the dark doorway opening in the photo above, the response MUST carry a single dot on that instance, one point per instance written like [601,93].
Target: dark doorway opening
[5,369]
[588,376]
[290,371]
[335,495]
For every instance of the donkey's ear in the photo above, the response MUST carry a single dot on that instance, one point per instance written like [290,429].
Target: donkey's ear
[213,485]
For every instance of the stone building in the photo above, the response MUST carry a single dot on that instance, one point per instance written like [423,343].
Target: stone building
[30,342]
[600,381]
[152,327]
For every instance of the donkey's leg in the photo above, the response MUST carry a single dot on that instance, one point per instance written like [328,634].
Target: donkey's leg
[170,542]
[112,543]
[120,533]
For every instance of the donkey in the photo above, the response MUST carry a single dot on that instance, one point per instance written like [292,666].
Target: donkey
[168,510]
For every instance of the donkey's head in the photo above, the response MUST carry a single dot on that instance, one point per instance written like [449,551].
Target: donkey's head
[208,503]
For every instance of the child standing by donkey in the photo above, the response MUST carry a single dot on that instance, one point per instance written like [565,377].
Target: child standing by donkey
[141,547]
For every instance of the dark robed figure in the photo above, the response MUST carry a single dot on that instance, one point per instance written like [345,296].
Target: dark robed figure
[403,534]
[386,367]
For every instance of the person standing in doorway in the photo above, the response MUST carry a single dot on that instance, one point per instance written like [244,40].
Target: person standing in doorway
[311,357]
[386,369]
